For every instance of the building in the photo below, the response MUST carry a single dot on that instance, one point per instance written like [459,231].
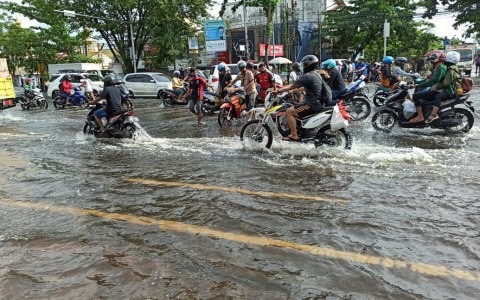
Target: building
[295,33]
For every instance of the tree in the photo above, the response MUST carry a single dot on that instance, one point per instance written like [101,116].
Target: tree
[468,13]
[148,18]
[268,7]
[361,23]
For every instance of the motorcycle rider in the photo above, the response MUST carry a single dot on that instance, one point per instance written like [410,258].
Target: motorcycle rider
[293,76]
[196,86]
[386,71]
[265,79]
[177,83]
[112,94]
[333,78]
[449,87]
[311,81]
[28,88]
[67,88]
[360,68]
[224,79]
[440,69]
[248,82]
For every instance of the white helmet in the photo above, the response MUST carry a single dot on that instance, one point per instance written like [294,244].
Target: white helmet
[452,57]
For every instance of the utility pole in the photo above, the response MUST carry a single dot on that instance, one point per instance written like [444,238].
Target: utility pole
[247,56]
[133,43]
[273,37]
[386,34]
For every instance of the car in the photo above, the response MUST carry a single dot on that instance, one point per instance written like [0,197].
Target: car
[147,84]
[77,80]
[213,78]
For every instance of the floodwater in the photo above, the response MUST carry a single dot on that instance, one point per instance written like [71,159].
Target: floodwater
[191,213]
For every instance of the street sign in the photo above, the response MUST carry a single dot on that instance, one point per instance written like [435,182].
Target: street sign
[215,36]
[193,43]
[386,29]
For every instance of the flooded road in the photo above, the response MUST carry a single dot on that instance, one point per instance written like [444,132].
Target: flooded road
[191,213]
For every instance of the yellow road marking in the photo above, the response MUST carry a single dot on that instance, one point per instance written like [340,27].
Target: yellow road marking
[233,190]
[426,269]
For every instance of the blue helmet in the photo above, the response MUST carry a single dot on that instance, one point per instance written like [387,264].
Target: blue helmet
[329,64]
[221,67]
[388,60]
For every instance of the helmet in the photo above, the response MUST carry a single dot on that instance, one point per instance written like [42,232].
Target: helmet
[176,73]
[28,80]
[388,60]
[67,77]
[296,66]
[107,81]
[241,65]
[249,65]
[452,57]
[221,67]
[436,57]
[309,63]
[400,60]
[329,64]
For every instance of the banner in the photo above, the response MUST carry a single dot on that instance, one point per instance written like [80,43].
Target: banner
[278,50]
[193,43]
[215,36]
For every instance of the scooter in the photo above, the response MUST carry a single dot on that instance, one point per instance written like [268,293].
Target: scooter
[121,124]
[170,97]
[77,99]
[33,99]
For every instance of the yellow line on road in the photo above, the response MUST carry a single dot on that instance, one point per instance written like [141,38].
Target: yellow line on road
[198,186]
[426,269]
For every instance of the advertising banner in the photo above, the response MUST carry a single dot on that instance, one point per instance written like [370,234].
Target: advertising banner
[193,43]
[215,36]
[278,50]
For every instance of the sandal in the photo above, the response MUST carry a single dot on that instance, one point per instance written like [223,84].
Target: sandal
[290,139]
[431,119]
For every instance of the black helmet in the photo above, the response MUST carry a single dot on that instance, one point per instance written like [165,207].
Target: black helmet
[309,63]
[249,65]
[107,81]
[67,77]
[400,60]
[296,66]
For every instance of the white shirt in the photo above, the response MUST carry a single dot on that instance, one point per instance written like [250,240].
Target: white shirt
[88,86]
[292,77]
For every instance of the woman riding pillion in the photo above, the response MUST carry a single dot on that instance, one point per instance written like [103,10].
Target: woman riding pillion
[449,87]
[311,81]
[333,78]
[177,83]
[437,58]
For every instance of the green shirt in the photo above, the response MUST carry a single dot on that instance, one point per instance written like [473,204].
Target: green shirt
[28,87]
[438,75]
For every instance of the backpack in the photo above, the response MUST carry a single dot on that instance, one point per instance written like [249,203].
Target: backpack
[467,84]
[326,91]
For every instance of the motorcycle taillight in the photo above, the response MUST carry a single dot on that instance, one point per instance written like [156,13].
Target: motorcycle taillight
[130,113]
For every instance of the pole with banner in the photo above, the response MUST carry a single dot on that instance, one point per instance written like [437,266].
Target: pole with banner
[215,36]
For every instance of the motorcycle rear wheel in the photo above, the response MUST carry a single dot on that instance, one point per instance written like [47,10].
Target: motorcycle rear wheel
[338,138]
[462,114]
[384,120]
[359,108]
[254,132]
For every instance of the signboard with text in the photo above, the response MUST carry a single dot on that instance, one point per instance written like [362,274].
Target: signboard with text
[215,36]
[278,50]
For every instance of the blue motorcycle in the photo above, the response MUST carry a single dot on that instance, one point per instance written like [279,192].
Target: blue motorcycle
[77,99]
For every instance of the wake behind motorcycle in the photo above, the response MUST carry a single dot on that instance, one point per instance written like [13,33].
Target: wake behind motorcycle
[121,124]
[315,129]
[33,99]
[452,117]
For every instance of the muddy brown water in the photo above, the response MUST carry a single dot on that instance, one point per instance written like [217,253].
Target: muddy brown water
[407,225]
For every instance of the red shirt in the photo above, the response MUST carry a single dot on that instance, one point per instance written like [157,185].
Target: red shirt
[265,80]
[67,86]
[196,85]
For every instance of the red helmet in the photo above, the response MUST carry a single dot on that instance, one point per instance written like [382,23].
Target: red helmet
[28,80]
[436,57]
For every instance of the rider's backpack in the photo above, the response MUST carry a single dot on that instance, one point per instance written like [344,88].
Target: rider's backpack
[467,84]
[326,91]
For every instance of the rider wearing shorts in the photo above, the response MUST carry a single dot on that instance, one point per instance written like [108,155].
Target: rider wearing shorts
[112,94]
[312,83]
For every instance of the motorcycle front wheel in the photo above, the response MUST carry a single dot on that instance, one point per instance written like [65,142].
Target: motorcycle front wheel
[384,120]
[225,117]
[254,132]
[43,104]
[337,138]
[379,98]
[359,108]
[129,130]
[87,128]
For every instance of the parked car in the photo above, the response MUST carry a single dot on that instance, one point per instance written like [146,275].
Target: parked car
[213,78]
[77,80]
[147,84]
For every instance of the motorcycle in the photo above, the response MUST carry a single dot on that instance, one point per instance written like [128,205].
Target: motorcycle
[33,99]
[232,107]
[357,104]
[382,93]
[77,99]
[209,103]
[315,129]
[452,118]
[170,97]
[121,124]
[125,95]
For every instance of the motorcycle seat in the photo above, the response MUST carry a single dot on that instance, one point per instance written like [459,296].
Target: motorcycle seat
[119,112]
[326,108]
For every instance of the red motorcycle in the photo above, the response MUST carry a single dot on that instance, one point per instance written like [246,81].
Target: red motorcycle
[232,107]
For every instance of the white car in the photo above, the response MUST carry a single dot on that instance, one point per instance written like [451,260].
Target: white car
[77,80]
[148,84]
[213,78]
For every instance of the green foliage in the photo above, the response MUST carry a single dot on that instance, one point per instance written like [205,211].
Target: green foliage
[468,13]
[268,7]
[150,20]
[359,27]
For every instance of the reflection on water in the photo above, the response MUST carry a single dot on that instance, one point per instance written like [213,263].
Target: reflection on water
[412,196]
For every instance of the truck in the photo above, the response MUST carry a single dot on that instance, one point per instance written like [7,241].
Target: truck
[467,57]
[75,68]
[7,92]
